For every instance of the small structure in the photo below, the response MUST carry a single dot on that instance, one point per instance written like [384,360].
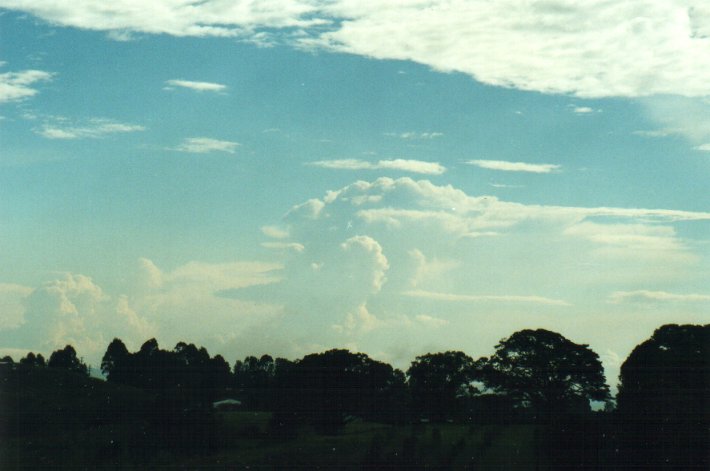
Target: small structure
[227,404]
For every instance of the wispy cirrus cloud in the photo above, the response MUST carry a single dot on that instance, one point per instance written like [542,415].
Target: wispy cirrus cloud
[196,86]
[414,166]
[96,128]
[619,297]
[295,246]
[15,86]
[413,136]
[471,298]
[204,145]
[506,166]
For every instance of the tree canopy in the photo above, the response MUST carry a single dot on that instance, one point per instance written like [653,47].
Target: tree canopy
[66,358]
[437,382]
[664,398]
[546,372]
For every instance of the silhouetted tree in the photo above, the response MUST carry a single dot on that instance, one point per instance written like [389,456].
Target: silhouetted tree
[325,389]
[664,400]
[115,364]
[33,360]
[66,358]
[546,372]
[256,381]
[438,382]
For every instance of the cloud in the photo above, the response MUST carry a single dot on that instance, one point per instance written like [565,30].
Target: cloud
[583,110]
[73,310]
[703,147]
[556,47]
[360,320]
[284,246]
[15,86]
[95,128]
[429,321]
[211,18]
[275,232]
[182,304]
[484,298]
[678,116]
[411,135]
[367,248]
[12,304]
[587,49]
[619,297]
[514,166]
[204,145]
[197,86]
[414,166]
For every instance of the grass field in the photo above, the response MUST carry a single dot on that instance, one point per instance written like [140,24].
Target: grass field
[366,444]
[55,420]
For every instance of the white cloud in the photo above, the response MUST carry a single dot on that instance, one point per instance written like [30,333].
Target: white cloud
[12,304]
[74,310]
[295,246]
[429,321]
[589,49]
[95,128]
[678,116]
[197,86]
[703,147]
[619,297]
[16,86]
[484,298]
[275,232]
[177,18]
[583,110]
[514,166]
[411,135]
[204,145]
[414,166]
[559,47]
[368,248]
[185,303]
[360,321]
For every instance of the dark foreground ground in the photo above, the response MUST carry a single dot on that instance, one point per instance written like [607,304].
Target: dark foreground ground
[54,419]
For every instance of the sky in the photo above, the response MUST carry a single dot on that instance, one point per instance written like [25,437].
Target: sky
[289,176]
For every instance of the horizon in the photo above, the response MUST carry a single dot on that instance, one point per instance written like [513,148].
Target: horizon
[309,175]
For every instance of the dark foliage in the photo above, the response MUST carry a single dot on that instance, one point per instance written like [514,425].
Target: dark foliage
[664,400]
[440,383]
[33,360]
[186,376]
[545,372]
[66,359]
[158,403]
[325,389]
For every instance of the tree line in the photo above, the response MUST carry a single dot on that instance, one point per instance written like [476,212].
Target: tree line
[662,413]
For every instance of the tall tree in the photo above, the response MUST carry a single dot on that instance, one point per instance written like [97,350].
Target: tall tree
[66,358]
[326,388]
[439,381]
[545,371]
[115,362]
[664,400]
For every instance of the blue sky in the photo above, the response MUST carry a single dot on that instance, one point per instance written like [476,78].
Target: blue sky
[293,175]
